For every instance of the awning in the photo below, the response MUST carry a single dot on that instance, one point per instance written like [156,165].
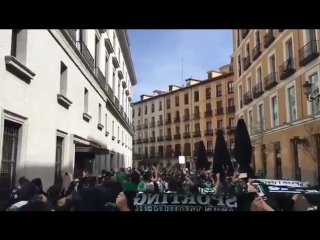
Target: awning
[96,150]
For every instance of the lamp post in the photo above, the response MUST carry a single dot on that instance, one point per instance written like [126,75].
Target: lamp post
[307,88]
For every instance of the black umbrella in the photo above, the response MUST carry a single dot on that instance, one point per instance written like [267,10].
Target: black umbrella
[243,148]
[202,159]
[221,155]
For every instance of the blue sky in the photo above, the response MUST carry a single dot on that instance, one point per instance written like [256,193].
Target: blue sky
[157,56]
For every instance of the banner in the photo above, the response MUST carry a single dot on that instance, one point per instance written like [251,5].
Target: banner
[275,182]
[154,202]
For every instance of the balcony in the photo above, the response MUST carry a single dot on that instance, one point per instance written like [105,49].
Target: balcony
[196,134]
[186,135]
[231,109]
[120,75]
[286,69]
[121,110]
[247,98]
[145,140]
[115,62]
[176,119]
[152,139]
[129,99]
[219,111]
[87,55]
[186,118]
[138,127]
[220,128]
[177,136]
[145,126]
[168,121]
[139,141]
[124,84]
[160,123]
[245,32]
[109,92]
[208,113]
[168,137]
[196,116]
[257,90]
[100,77]
[160,139]
[152,155]
[108,45]
[145,156]
[153,124]
[231,130]
[116,102]
[270,81]
[256,52]
[208,132]
[73,34]
[308,53]
[268,38]
[246,62]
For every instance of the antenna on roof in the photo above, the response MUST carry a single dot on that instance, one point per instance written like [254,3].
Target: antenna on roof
[181,71]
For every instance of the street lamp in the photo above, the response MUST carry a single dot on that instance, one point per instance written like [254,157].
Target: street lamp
[307,88]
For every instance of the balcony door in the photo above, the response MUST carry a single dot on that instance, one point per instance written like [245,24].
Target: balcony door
[272,64]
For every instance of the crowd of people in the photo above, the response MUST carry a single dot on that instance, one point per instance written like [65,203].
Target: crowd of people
[117,190]
[216,186]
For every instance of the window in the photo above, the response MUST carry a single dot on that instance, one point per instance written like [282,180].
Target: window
[152,107]
[261,116]
[208,93]
[249,84]
[15,42]
[168,103]
[208,107]
[99,113]
[133,113]
[247,53]
[153,119]
[313,79]
[113,79]
[186,98]
[160,132]
[250,117]
[272,64]
[86,100]
[160,106]
[106,122]
[289,51]
[196,96]
[292,104]
[145,109]
[310,35]
[209,125]
[118,133]
[219,104]
[177,114]
[169,131]
[63,79]
[96,52]
[177,101]
[112,128]
[259,76]
[240,97]
[232,122]
[238,37]
[274,113]
[187,129]
[230,87]
[119,55]
[219,90]
[122,136]
[146,121]
[59,156]
[239,65]
[145,134]
[209,146]
[219,124]
[197,127]
[230,102]
[196,110]
[177,130]
[114,40]
[139,112]
[257,36]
